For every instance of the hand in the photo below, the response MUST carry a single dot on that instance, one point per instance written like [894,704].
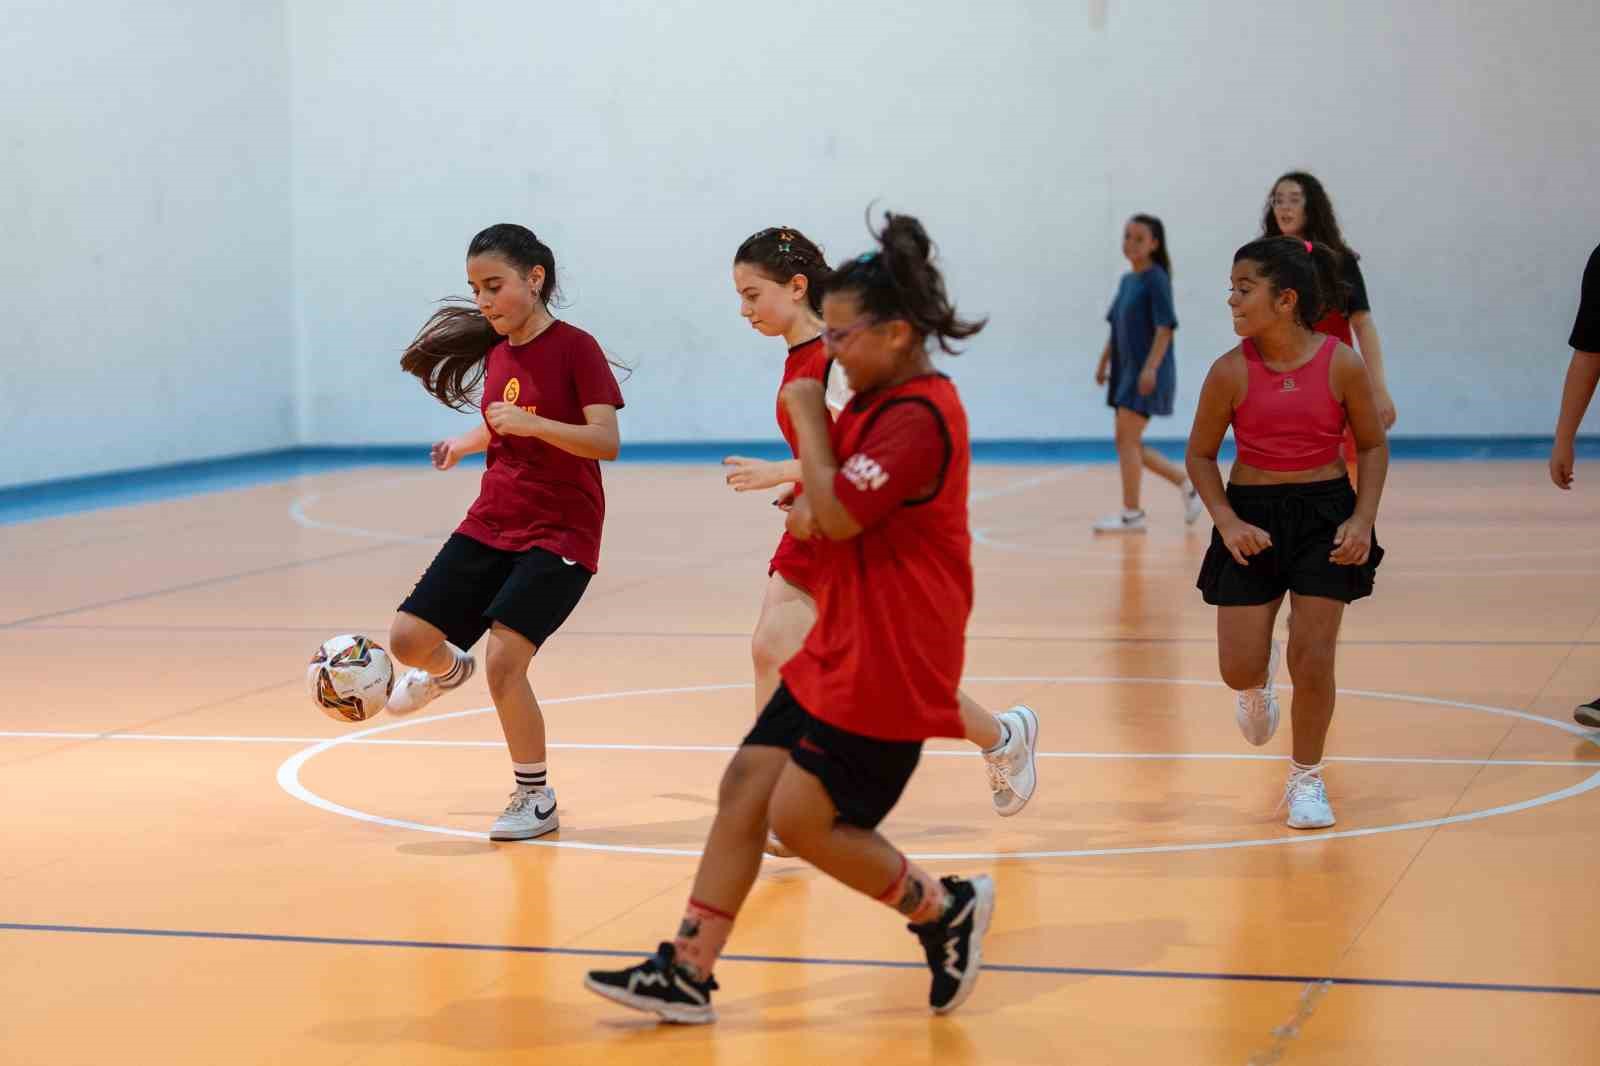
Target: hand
[804,392]
[1386,412]
[1102,372]
[1242,539]
[446,453]
[1147,381]
[1561,462]
[747,474]
[1352,542]
[801,523]
[785,500]
[507,419]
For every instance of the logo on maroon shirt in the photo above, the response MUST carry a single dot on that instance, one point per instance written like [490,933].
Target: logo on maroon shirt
[513,390]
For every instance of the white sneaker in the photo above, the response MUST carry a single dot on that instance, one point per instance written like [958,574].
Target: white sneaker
[1257,713]
[777,848]
[1193,506]
[1126,522]
[418,688]
[1012,770]
[1307,798]
[531,813]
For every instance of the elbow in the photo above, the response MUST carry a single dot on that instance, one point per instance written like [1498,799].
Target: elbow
[610,449]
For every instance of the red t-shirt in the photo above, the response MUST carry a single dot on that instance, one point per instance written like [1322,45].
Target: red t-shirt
[885,656]
[533,494]
[796,559]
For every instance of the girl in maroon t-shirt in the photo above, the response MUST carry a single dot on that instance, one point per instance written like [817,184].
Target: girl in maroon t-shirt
[886,502]
[522,558]
[779,274]
[1299,206]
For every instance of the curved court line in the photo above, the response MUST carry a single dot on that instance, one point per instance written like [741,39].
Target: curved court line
[725,749]
[288,778]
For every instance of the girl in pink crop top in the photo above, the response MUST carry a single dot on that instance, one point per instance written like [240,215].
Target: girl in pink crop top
[1288,524]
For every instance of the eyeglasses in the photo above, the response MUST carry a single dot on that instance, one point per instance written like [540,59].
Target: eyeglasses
[1288,201]
[833,338]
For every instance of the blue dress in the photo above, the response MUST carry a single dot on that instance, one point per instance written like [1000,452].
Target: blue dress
[1143,302]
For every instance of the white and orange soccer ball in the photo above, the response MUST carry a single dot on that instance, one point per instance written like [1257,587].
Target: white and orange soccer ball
[350,678]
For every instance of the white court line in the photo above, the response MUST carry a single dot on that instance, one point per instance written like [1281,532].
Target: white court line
[1152,756]
[289,779]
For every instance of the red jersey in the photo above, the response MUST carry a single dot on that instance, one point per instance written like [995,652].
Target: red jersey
[885,656]
[533,494]
[795,559]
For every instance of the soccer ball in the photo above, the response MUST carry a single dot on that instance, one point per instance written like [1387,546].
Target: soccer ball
[350,678]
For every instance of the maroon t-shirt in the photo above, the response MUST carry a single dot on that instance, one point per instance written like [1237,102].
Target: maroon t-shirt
[533,494]
[884,658]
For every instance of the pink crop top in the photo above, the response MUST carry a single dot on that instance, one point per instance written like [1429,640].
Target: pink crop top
[1289,421]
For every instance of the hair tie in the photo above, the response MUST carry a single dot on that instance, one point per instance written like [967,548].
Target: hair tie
[1308,247]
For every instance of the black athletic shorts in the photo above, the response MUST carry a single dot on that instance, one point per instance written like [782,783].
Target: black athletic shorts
[1301,520]
[469,586]
[863,776]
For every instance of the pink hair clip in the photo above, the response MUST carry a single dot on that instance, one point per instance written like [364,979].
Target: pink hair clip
[1308,247]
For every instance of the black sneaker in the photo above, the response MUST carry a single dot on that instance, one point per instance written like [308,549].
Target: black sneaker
[954,943]
[658,985]
[1589,713]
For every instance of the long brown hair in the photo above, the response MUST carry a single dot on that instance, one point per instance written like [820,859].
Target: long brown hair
[900,280]
[1322,226]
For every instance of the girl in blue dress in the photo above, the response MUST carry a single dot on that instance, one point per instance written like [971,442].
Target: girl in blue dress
[1140,372]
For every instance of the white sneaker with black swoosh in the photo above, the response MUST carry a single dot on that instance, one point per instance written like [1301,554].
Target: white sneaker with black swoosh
[531,813]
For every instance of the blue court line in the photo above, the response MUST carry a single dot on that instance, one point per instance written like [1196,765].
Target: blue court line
[50,499]
[788,960]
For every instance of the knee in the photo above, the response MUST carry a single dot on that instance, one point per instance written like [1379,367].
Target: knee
[743,794]
[797,828]
[1240,672]
[504,667]
[1311,664]
[411,641]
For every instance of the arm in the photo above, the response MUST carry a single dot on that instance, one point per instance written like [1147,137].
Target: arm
[1211,419]
[597,438]
[1352,542]
[1152,362]
[805,401]
[1582,375]
[1366,334]
[1103,369]
[448,453]
[746,475]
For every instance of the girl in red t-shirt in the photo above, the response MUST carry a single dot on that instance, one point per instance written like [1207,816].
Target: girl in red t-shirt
[779,274]
[886,501]
[523,556]
[1298,206]
[1288,522]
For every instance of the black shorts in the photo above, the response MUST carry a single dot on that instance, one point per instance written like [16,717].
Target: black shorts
[1301,520]
[469,586]
[863,776]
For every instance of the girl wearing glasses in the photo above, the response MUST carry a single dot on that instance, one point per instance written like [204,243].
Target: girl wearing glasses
[885,501]
[779,275]
[1299,206]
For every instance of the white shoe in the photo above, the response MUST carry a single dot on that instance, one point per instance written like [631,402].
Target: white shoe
[1012,770]
[1126,522]
[1307,798]
[418,688]
[1257,713]
[531,813]
[777,848]
[1193,506]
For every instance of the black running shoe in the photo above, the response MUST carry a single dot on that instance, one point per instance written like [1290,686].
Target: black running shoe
[658,985]
[954,943]
[1589,713]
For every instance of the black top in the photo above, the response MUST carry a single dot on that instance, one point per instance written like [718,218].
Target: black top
[1586,330]
[1358,286]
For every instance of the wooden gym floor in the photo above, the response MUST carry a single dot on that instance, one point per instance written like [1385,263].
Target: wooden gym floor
[200,868]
